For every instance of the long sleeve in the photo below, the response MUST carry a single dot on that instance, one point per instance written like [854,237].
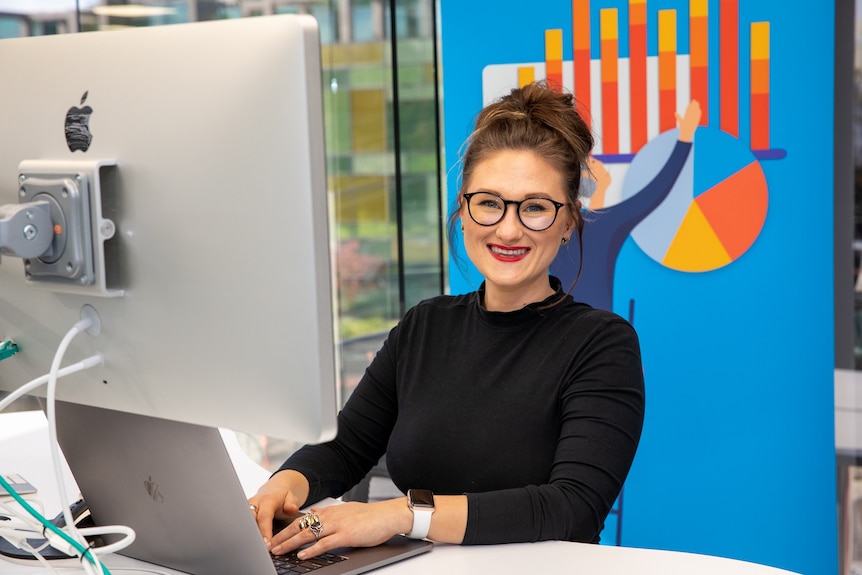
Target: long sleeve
[602,409]
[535,415]
[364,426]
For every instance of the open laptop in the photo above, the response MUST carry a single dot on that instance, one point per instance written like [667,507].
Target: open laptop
[175,485]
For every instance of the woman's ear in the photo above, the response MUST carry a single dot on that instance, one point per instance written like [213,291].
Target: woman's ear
[571,224]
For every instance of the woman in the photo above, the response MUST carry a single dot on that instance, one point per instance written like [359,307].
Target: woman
[517,407]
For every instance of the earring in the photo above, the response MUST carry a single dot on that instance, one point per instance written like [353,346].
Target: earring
[564,241]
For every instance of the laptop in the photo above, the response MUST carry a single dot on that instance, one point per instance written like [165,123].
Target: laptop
[175,485]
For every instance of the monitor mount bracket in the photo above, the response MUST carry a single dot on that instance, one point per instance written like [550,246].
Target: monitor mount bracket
[58,228]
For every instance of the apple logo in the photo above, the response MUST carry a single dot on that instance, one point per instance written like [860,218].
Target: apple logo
[153,490]
[78,136]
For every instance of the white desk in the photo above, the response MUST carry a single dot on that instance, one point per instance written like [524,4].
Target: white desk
[24,450]
[547,557]
[564,557]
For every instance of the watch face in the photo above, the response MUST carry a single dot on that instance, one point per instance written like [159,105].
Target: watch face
[421,498]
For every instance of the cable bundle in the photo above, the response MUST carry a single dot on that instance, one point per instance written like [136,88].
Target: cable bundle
[25,522]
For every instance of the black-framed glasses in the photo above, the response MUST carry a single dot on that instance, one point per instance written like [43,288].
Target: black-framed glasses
[487,209]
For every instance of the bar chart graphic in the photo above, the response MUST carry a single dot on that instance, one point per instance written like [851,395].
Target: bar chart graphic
[630,90]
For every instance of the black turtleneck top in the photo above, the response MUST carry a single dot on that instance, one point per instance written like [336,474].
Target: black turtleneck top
[534,414]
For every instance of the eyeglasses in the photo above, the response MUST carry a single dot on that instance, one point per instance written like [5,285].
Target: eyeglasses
[537,214]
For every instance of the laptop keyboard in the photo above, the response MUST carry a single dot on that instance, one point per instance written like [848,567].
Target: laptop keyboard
[290,564]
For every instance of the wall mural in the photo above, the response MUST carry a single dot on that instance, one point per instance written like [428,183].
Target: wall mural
[718,252]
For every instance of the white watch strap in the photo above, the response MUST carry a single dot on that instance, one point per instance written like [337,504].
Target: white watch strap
[421,523]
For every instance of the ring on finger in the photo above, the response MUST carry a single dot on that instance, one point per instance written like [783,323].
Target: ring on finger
[316,527]
[306,521]
[311,522]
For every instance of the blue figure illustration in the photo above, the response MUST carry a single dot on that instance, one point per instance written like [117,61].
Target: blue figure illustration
[606,229]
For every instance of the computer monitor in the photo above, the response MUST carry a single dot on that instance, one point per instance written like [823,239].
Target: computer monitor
[184,169]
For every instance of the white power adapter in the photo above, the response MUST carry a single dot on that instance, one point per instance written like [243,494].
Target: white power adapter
[60,544]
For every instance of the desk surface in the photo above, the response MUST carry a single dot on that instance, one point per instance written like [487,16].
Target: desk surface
[548,557]
[24,445]
[561,556]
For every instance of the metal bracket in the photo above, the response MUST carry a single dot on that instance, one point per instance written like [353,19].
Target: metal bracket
[26,230]
[75,259]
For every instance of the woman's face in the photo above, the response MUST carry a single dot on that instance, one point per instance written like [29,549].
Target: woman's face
[513,259]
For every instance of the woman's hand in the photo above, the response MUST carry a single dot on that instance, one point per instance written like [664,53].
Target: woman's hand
[346,525]
[278,498]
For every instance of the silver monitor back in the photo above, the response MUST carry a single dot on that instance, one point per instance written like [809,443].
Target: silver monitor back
[209,221]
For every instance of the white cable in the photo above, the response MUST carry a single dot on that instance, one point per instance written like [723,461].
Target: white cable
[52,422]
[70,528]
[90,562]
[110,530]
[22,522]
[36,553]
[36,504]
[19,525]
[19,519]
[18,536]
[19,528]
[87,363]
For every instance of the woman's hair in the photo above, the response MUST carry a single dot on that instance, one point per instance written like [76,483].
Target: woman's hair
[535,118]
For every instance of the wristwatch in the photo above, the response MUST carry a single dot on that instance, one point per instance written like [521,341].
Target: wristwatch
[421,503]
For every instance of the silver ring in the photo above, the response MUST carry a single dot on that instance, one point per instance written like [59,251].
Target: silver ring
[253,507]
[307,520]
[311,522]
[316,528]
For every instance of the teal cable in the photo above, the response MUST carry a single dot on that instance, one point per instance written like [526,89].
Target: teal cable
[84,551]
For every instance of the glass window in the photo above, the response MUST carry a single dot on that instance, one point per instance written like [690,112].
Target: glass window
[365,25]
[327,19]
[11,27]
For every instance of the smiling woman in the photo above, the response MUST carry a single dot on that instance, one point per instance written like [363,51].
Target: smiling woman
[512,256]
[517,363]
[529,150]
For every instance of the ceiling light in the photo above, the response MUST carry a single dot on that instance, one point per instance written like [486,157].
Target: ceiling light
[133,11]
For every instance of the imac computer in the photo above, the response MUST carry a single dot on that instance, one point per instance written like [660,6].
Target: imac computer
[180,171]
[164,189]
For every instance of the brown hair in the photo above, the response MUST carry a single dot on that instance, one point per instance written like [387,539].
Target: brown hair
[536,118]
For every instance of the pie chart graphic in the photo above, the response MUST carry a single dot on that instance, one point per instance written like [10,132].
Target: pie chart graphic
[715,209]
